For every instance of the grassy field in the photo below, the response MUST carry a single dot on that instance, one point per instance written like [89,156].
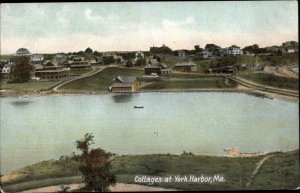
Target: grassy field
[27,86]
[270,80]
[279,172]
[284,60]
[191,84]
[80,72]
[102,80]
[172,60]
[290,59]
[282,169]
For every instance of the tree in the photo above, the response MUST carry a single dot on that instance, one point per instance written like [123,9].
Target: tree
[211,47]
[140,62]
[22,70]
[95,165]
[108,59]
[254,49]
[161,50]
[129,63]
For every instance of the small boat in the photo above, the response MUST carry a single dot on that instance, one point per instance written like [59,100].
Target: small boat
[138,107]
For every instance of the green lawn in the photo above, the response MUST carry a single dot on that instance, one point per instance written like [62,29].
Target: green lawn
[28,86]
[279,172]
[102,80]
[191,84]
[80,72]
[284,60]
[172,60]
[290,59]
[270,80]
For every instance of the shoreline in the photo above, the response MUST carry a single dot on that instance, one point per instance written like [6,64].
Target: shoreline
[258,93]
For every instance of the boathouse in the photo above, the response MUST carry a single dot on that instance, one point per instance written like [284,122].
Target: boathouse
[125,84]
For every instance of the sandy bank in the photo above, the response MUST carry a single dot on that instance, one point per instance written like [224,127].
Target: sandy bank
[239,89]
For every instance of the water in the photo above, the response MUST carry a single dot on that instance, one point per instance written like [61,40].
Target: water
[42,128]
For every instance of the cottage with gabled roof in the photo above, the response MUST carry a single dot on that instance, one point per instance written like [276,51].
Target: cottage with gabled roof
[157,68]
[185,67]
[125,84]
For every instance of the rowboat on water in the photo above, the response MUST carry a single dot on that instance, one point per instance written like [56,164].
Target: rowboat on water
[138,107]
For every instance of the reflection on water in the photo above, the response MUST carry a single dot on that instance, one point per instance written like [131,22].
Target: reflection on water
[20,103]
[260,95]
[122,98]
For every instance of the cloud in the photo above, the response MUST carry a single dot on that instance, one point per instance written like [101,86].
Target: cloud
[62,17]
[88,14]
[182,23]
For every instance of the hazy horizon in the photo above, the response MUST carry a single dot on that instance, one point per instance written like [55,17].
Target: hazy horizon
[133,26]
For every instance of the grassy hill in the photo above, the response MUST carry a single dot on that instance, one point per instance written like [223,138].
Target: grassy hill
[102,80]
[281,171]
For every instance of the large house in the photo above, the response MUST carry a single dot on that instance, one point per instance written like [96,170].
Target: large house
[5,72]
[230,51]
[205,54]
[125,84]
[60,58]
[185,67]
[290,47]
[181,53]
[79,63]
[51,71]
[36,59]
[22,52]
[139,55]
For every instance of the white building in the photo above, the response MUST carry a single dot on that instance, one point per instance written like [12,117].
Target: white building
[181,53]
[205,54]
[139,55]
[36,59]
[232,51]
[6,69]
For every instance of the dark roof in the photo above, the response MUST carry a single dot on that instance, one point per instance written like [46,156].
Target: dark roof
[126,79]
[88,50]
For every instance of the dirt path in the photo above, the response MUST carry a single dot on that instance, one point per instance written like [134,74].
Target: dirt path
[119,187]
[281,71]
[256,170]
[265,88]
[55,89]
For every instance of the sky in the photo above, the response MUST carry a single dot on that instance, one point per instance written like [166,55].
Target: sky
[133,26]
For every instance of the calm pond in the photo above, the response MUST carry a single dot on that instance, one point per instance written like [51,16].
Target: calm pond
[34,129]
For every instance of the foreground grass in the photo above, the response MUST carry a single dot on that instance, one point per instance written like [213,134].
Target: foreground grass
[102,80]
[279,172]
[283,169]
[27,86]
[190,84]
[270,80]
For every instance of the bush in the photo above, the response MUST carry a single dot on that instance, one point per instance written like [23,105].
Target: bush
[95,165]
